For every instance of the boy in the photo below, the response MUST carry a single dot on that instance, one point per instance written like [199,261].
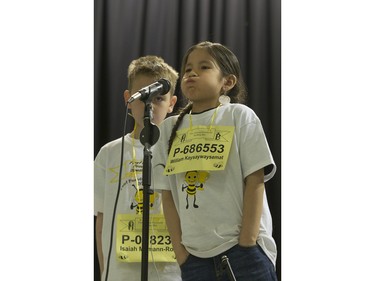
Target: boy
[141,73]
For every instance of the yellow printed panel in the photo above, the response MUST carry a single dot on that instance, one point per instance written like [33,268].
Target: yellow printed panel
[129,239]
[201,147]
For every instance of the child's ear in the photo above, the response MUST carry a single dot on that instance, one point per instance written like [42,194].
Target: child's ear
[127,97]
[172,102]
[230,82]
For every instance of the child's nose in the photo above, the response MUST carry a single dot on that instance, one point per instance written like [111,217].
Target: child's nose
[192,73]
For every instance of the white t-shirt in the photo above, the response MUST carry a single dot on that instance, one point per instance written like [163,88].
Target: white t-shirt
[106,178]
[214,226]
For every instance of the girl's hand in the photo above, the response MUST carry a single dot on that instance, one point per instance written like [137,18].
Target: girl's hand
[182,256]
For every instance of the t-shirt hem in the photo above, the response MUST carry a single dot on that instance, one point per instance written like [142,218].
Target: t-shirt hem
[214,252]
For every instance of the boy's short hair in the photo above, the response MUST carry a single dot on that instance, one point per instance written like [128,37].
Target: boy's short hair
[152,66]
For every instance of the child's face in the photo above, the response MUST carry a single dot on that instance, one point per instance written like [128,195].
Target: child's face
[161,105]
[202,81]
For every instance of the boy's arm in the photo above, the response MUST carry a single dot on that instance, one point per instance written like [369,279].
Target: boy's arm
[252,208]
[174,227]
[98,230]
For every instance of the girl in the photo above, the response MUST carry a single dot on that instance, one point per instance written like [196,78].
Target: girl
[215,160]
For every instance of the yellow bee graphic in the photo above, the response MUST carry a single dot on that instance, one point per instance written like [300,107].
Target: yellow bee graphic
[138,200]
[193,181]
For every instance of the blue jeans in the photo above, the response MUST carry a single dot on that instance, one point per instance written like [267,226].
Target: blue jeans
[247,264]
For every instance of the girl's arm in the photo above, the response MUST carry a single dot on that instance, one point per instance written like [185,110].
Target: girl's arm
[252,208]
[99,228]
[174,227]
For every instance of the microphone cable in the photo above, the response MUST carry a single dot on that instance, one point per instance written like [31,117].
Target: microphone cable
[117,195]
[226,265]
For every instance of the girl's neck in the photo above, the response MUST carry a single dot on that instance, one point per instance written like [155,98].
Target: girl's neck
[199,112]
[199,108]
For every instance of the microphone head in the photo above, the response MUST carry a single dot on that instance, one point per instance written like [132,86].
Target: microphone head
[166,85]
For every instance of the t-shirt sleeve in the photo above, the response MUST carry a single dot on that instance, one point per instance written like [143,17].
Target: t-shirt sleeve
[254,150]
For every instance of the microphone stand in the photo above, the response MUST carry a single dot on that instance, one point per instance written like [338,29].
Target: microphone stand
[226,265]
[149,136]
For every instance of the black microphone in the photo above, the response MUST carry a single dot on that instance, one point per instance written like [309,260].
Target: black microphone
[160,87]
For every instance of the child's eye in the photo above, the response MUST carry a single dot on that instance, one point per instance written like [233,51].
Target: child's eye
[157,99]
[205,67]
[187,70]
